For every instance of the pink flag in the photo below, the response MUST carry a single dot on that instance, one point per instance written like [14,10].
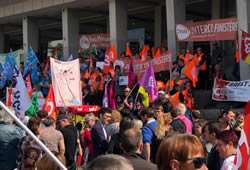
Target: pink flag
[131,74]
[148,82]
[112,95]
[105,98]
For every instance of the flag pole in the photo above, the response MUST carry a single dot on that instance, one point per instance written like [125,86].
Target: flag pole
[131,90]
[20,123]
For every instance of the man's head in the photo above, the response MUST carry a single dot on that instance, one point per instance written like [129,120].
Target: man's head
[180,62]
[50,121]
[165,98]
[199,50]
[180,109]
[127,91]
[105,115]
[228,115]
[146,114]
[109,162]
[138,105]
[131,141]
[42,114]
[62,120]
[217,67]
[158,110]
[211,130]
[90,119]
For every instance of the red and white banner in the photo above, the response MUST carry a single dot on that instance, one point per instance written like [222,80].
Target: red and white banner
[161,63]
[212,30]
[87,41]
[231,90]
[66,82]
[9,95]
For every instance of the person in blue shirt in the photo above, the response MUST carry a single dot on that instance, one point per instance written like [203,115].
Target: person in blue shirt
[45,84]
[147,115]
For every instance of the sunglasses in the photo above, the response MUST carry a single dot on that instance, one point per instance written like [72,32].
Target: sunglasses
[198,162]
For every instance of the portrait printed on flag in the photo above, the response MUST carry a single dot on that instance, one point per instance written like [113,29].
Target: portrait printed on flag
[66,82]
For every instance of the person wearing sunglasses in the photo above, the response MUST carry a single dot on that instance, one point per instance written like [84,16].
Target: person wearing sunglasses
[181,152]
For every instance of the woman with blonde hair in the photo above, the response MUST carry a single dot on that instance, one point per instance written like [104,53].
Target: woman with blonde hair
[181,152]
[47,163]
[161,131]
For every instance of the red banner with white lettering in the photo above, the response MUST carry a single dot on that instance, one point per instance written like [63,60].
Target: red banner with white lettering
[212,30]
[87,41]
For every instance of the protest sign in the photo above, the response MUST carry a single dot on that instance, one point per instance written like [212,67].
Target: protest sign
[218,29]
[66,82]
[123,80]
[161,63]
[231,90]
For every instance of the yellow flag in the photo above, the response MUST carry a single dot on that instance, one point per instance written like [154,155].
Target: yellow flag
[145,100]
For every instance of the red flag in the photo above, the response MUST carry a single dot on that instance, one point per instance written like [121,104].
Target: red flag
[191,72]
[144,52]
[153,51]
[106,64]
[29,87]
[131,74]
[241,160]
[86,74]
[158,53]
[112,53]
[128,52]
[245,47]
[50,105]
[56,50]
[112,95]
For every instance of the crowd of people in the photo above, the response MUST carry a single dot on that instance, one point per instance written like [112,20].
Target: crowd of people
[169,134]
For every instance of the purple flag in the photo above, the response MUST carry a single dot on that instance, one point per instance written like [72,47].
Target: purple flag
[131,74]
[148,82]
[105,98]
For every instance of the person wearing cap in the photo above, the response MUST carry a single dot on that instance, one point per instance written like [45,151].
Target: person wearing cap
[166,104]
[159,97]
[70,136]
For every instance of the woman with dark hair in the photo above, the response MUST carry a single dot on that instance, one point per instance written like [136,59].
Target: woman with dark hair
[30,158]
[35,126]
[114,145]
[177,126]
[119,102]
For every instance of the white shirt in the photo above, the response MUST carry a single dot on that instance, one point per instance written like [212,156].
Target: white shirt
[228,163]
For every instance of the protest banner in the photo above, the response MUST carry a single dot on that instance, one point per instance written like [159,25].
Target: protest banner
[9,95]
[231,90]
[66,82]
[87,41]
[100,64]
[218,29]
[123,80]
[161,63]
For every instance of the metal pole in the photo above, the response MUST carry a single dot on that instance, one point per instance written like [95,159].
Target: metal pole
[20,123]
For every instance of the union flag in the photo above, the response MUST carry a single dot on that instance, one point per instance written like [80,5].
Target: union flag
[245,47]
[50,105]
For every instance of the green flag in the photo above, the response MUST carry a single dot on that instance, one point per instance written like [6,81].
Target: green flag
[94,49]
[33,109]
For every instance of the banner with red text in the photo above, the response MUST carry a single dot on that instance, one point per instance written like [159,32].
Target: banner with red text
[231,90]
[161,63]
[212,30]
[87,41]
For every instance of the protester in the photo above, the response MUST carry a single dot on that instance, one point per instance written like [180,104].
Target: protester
[108,162]
[167,105]
[158,110]
[128,101]
[198,125]
[47,163]
[70,139]
[131,144]
[42,114]
[119,89]
[181,152]
[226,145]
[212,130]
[136,113]
[9,139]
[113,127]
[180,111]
[52,138]
[99,135]
[177,126]
[148,131]
[227,117]
[30,159]
[114,144]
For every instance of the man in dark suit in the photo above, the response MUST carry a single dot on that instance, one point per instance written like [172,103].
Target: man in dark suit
[131,144]
[99,135]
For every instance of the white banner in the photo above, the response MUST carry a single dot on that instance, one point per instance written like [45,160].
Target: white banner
[231,90]
[66,82]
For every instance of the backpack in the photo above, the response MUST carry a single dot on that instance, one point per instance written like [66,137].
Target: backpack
[155,143]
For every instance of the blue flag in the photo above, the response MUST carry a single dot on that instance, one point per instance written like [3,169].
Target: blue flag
[12,58]
[8,70]
[31,66]
[15,74]
[61,58]
[1,68]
